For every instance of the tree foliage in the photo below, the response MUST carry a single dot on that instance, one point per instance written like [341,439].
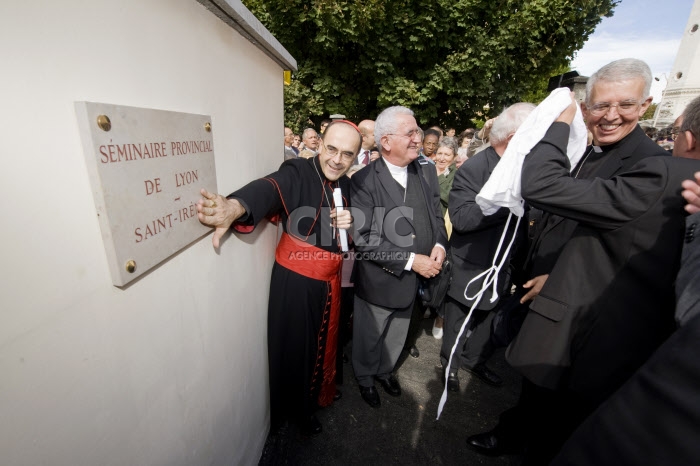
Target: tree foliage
[649,114]
[446,60]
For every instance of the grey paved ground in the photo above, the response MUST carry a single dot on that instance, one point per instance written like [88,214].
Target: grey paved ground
[403,431]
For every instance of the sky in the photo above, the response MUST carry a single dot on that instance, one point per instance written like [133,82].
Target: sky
[650,30]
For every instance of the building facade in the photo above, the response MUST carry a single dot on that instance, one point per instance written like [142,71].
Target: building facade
[684,81]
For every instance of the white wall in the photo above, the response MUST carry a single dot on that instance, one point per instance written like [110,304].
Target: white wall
[171,370]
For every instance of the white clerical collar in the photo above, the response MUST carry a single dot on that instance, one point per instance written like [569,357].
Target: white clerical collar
[400,174]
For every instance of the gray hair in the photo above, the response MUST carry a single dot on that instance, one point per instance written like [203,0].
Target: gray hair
[691,117]
[386,123]
[307,131]
[621,70]
[449,142]
[509,121]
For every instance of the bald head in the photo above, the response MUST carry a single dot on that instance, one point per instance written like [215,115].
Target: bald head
[367,130]
[341,142]
[288,137]
[345,125]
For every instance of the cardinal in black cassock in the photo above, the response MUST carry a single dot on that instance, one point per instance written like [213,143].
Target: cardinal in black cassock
[304,302]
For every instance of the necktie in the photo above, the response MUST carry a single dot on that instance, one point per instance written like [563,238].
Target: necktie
[365,161]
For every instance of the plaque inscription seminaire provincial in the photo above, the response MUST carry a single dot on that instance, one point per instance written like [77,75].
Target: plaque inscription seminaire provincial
[146,168]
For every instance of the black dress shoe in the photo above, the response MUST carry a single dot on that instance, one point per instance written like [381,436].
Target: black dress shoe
[453,382]
[390,385]
[338,395]
[371,396]
[413,351]
[311,426]
[486,374]
[485,443]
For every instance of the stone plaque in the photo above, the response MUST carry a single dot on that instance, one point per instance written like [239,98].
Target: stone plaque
[146,168]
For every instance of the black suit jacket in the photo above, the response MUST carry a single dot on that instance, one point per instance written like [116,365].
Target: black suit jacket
[608,302]
[551,232]
[383,232]
[475,236]
[654,417]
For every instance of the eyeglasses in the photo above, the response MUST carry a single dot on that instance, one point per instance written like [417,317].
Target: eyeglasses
[674,133]
[626,107]
[333,151]
[410,135]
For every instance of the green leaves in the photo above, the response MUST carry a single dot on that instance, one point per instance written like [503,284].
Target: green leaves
[444,59]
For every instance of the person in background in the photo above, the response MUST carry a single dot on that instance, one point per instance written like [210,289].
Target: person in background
[296,142]
[465,138]
[289,152]
[439,131]
[459,160]
[480,139]
[445,164]
[675,132]
[311,140]
[324,125]
[419,146]
[364,157]
[430,143]
[450,132]
[446,169]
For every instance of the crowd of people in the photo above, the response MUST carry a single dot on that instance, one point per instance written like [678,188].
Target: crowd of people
[305,145]
[594,301]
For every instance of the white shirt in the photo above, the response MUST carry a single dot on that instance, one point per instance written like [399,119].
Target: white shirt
[400,174]
[363,158]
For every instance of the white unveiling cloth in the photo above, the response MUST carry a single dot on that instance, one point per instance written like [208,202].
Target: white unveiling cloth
[503,186]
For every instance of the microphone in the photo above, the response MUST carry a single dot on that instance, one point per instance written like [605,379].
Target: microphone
[338,200]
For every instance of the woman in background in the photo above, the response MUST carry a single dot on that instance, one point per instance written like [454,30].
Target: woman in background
[445,164]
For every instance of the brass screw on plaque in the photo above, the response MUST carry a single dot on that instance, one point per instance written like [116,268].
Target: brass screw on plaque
[130,266]
[104,123]
[207,127]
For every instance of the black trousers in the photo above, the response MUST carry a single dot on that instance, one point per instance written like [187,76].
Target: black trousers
[473,350]
[344,329]
[540,423]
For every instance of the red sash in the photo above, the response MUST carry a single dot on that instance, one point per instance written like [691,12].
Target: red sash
[318,264]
